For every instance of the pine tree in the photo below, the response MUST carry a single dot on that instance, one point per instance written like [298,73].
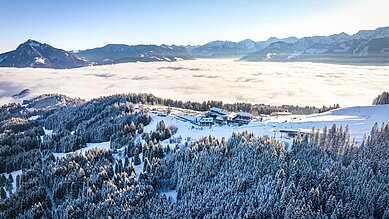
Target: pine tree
[160,152]
[3,194]
[126,162]
[167,133]
[168,149]
[137,160]
[141,128]
[132,128]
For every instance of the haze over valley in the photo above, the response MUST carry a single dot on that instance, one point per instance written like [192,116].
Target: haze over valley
[228,80]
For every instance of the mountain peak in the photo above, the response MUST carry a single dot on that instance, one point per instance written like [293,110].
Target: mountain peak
[246,40]
[33,43]
[272,38]
[38,55]
[371,34]
[30,43]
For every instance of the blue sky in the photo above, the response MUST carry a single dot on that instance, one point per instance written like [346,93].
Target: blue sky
[80,24]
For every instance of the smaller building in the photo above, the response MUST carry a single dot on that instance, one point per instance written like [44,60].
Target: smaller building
[222,116]
[206,121]
[230,118]
[220,119]
[187,118]
[214,111]
[243,118]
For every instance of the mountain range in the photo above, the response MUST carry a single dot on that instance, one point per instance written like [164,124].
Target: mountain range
[120,53]
[364,47]
[225,49]
[39,55]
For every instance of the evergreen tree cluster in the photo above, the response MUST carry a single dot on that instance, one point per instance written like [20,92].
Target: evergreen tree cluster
[163,131]
[74,123]
[254,109]
[325,175]
[382,99]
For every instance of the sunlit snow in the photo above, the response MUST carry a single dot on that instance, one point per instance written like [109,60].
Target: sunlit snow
[34,117]
[89,146]
[40,60]
[360,119]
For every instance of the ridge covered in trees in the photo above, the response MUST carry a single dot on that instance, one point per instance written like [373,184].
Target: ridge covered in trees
[326,174]
[254,109]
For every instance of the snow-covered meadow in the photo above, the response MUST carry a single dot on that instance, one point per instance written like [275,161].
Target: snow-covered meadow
[88,147]
[359,119]
[205,79]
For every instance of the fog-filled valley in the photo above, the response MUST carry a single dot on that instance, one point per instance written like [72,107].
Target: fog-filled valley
[227,80]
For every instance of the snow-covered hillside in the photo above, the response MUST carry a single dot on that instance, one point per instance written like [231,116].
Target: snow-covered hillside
[359,119]
[185,165]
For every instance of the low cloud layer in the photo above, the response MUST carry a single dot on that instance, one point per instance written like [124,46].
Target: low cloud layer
[177,68]
[224,79]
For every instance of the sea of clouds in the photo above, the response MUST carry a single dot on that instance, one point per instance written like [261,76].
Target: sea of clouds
[299,83]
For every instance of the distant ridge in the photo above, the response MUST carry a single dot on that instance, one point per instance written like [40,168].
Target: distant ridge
[363,47]
[120,53]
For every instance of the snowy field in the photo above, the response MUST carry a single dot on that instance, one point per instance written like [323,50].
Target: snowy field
[88,147]
[206,79]
[360,120]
